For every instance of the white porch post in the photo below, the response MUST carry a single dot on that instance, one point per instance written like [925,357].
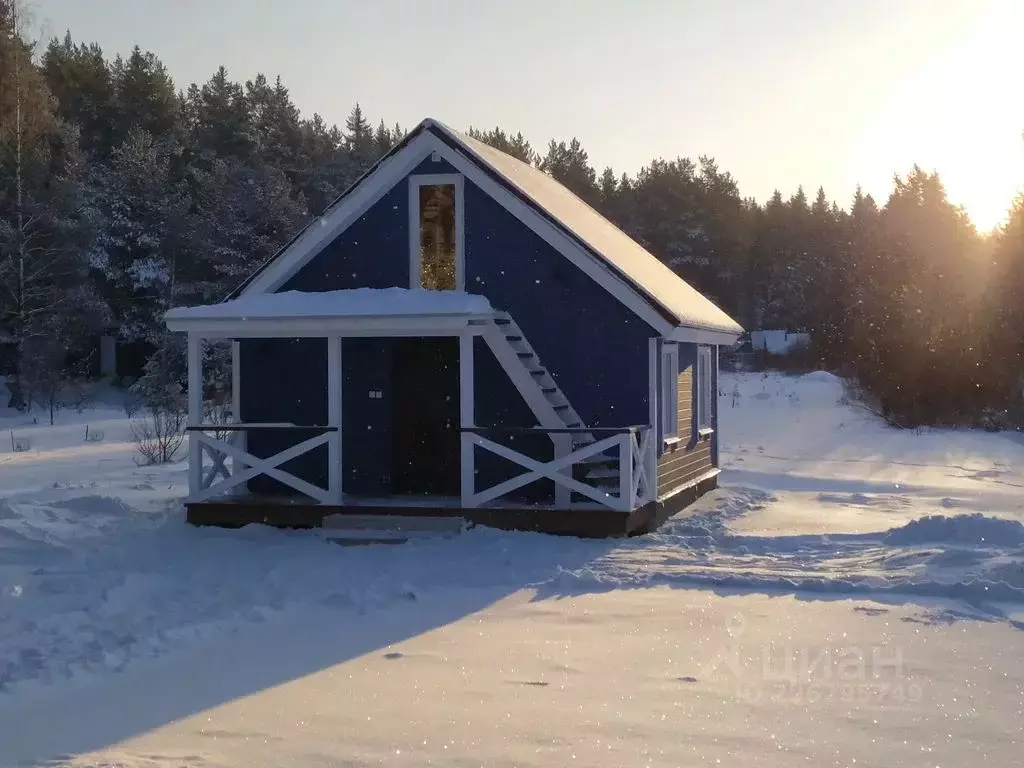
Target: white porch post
[237,439]
[334,387]
[626,499]
[195,413]
[654,396]
[563,447]
[467,418]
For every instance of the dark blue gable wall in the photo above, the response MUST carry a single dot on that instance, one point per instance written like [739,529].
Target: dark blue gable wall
[434,166]
[594,347]
[372,253]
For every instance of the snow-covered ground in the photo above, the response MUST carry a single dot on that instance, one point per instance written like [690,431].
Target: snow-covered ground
[852,595]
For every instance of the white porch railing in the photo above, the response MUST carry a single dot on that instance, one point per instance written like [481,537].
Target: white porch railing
[633,448]
[203,480]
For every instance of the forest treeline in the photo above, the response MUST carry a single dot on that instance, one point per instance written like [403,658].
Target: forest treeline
[122,195]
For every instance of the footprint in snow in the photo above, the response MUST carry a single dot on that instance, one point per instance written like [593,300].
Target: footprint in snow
[870,611]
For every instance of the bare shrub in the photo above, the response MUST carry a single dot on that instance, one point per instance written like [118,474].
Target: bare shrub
[20,444]
[80,397]
[218,413]
[158,432]
[94,435]
[132,403]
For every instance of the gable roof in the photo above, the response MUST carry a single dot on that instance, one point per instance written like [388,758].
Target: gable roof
[675,299]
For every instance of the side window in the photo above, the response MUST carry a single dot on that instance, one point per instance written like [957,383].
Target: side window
[669,394]
[705,392]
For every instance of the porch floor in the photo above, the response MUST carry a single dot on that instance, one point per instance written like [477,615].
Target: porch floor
[302,512]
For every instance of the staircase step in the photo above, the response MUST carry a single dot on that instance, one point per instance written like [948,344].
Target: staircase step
[527,356]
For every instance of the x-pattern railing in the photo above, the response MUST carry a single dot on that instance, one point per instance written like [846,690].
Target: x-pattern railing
[634,484]
[248,466]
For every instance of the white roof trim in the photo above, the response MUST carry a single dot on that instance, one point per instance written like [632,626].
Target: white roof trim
[362,311]
[346,327]
[355,302]
[688,335]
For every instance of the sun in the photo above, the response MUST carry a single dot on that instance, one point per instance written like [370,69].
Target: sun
[956,112]
[988,206]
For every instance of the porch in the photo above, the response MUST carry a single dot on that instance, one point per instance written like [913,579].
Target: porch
[590,481]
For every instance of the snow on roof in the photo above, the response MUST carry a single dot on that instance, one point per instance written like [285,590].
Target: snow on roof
[644,270]
[358,302]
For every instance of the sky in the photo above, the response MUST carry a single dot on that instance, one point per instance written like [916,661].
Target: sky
[781,92]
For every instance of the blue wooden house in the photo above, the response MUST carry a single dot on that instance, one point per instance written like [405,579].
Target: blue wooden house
[459,335]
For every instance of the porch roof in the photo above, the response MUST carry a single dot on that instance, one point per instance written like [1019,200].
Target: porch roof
[360,311]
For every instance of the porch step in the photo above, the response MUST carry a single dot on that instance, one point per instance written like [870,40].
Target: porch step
[388,529]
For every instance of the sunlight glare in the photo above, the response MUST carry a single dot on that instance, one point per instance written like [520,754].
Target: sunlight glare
[958,113]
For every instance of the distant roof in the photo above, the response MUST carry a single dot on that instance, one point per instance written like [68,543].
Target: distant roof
[778,342]
[663,289]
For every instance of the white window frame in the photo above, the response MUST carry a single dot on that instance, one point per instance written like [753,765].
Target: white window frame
[668,394]
[416,181]
[704,392]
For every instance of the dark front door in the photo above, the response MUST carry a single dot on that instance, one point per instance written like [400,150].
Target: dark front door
[425,398]
[366,416]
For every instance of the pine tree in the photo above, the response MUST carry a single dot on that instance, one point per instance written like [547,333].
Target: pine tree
[609,184]
[245,214]
[382,141]
[144,97]
[144,232]
[326,169]
[667,215]
[275,126]
[570,165]
[359,139]
[80,80]
[517,146]
[222,125]
[36,236]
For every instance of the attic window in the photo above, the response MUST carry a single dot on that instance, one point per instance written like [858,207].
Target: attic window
[437,237]
[435,202]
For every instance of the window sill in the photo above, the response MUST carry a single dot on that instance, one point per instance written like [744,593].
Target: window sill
[704,432]
[670,442]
